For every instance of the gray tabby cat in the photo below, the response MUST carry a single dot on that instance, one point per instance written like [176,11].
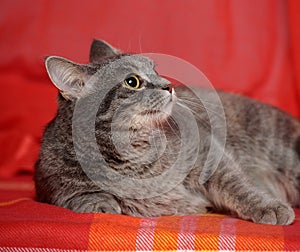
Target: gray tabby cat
[257,176]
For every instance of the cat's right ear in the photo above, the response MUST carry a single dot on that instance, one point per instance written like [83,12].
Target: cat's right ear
[67,76]
[101,49]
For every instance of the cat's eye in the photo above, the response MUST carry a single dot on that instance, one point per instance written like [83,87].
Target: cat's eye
[133,81]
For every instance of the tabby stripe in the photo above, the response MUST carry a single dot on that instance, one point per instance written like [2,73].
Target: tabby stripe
[110,96]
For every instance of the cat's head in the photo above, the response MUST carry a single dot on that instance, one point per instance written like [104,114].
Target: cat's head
[127,84]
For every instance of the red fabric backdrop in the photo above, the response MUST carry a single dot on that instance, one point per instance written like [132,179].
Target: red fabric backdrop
[250,47]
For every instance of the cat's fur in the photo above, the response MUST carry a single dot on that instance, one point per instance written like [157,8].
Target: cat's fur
[257,178]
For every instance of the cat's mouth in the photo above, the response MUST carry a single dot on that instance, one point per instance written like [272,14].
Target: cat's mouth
[169,103]
[165,107]
[157,114]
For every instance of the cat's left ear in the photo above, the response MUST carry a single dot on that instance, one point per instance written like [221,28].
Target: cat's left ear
[101,49]
[70,78]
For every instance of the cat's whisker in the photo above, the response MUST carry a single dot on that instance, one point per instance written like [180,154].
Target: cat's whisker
[196,113]
[202,106]
[203,123]
[186,98]
[173,130]
[140,44]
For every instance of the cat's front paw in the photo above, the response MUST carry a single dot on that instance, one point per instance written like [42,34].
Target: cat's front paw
[273,212]
[95,203]
[99,207]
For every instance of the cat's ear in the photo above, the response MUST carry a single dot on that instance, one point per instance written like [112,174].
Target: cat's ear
[67,76]
[101,49]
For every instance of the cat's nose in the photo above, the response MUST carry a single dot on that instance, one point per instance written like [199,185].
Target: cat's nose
[167,88]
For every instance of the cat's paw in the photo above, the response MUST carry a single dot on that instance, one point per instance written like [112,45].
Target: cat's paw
[274,212]
[95,203]
[99,207]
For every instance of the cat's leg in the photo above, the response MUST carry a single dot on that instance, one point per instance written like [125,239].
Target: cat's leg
[230,190]
[96,202]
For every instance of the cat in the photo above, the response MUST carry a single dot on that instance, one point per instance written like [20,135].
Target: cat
[97,153]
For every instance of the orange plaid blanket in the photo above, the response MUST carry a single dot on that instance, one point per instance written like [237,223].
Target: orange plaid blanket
[26,225]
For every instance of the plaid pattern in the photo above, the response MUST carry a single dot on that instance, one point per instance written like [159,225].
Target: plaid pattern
[26,225]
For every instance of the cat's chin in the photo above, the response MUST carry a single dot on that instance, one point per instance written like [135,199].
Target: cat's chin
[157,116]
[164,112]
[152,117]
